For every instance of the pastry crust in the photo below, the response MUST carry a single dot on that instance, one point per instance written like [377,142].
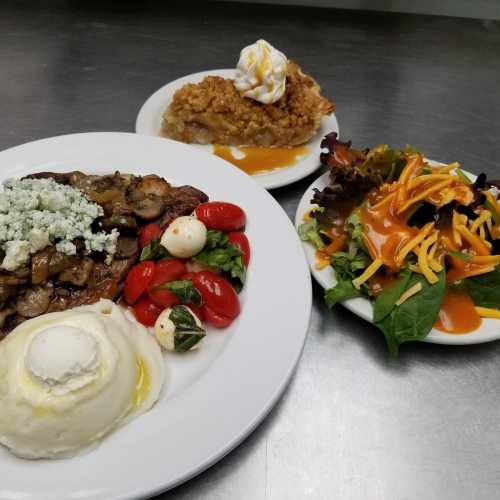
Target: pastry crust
[213,112]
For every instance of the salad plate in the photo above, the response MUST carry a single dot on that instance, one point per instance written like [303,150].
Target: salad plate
[149,121]
[214,396]
[362,307]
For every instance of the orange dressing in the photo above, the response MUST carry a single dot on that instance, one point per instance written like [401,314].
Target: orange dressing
[458,314]
[257,160]
[336,233]
[380,281]
[385,232]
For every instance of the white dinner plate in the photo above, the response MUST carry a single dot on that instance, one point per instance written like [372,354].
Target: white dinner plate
[488,331]
[150,117]
[215,396]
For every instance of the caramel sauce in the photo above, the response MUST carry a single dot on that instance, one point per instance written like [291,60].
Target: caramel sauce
[457,314]
[258,160]
[385,232]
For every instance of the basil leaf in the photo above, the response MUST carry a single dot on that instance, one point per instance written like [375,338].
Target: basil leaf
[215,239]
[459,255]
[184,290]
[228,259]
[183,320]
[414,318]
[343,290]
[308,231]
[386,301]
[484,289]
[185,341]
[154,251]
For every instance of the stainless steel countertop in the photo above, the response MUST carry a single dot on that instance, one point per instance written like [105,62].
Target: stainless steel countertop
[352,424]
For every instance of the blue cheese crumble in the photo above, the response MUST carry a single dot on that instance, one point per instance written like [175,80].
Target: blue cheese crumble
[35,213]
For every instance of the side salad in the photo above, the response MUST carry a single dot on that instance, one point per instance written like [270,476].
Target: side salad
[190,272]
[421,241]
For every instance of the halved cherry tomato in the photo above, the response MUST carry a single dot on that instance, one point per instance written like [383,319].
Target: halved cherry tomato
[137,280]
[217,293]
[166,270]
[163,298]
[198,311]
[239,240]
[146,312]
[215,319]
[221,215]
[150,232]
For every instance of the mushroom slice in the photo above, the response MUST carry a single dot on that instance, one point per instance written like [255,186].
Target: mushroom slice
[78,275]
[34,301]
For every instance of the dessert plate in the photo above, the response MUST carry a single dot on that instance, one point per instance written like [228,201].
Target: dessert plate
[214,396]
[488,331]
[150,117]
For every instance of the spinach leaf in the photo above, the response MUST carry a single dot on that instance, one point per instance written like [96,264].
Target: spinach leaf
[184,290]
[309,231]
[484,289]
[343,290]
[414,319]
[227,258]
[385,302]
[154,251]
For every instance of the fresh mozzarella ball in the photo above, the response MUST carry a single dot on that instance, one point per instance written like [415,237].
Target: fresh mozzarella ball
[186,236]
[165,329]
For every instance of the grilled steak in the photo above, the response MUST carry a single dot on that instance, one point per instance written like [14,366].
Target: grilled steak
[56,282]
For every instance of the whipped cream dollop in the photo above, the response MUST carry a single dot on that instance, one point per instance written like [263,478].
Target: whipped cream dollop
[261,72]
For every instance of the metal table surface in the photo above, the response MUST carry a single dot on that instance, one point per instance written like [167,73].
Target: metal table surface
[352,424]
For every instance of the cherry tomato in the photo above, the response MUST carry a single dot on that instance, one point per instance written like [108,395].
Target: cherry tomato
[221,215]
[146,312]
[149,232]
[166,270]
[137,280]
[217,293]
[163,298]
[215,319]
[198,311]
[239,240]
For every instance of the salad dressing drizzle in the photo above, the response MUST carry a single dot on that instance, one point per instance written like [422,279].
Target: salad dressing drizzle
[458,314]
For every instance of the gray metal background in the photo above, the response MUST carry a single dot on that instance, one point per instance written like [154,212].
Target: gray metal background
[352,424]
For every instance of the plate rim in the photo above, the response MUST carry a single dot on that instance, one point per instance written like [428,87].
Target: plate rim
[362,307]
[271,180]
[286,373]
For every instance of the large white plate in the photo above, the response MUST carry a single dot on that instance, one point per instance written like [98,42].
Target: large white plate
[150,117]
[488,331]
[214,397]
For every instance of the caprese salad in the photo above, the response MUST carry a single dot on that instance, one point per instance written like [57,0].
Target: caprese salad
[190,272]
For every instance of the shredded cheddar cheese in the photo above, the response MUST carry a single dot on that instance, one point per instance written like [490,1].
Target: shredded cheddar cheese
[423,262]
[367,273]
[479,245]
[414,242]
[424,194]
[409,293]
[486,312]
